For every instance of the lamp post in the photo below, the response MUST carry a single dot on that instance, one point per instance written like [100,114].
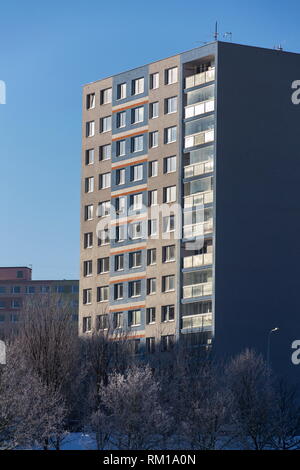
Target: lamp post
[269,344]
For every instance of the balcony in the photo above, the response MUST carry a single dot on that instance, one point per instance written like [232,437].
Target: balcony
[197,290]
[196,230]
[197,321]
[200,78]
[199,139]
[198,198]
[198,169]
[196,261]
[199,108]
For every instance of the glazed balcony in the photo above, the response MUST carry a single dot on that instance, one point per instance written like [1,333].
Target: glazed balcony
[197,290]
[197,321]
[197,199]
[200,78]
[199,139]
[199,108]
[197,261]
[198,169]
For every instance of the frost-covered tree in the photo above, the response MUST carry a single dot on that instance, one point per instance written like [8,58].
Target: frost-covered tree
[130,409]
[249,383]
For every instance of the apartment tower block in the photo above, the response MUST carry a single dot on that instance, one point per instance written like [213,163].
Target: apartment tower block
[213,132]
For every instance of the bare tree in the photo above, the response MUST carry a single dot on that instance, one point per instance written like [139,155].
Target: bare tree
[286,417]
[131,405]
[30,412]
[249,382]
[49,343]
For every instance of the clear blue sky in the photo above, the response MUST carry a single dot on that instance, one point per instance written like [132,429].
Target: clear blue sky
[48,50]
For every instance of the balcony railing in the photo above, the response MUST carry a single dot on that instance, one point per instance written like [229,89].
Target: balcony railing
[196,230]
[199,108]
[197,290]
[197,321]
[198,198]
[199,139]
[197,260]
[198,169]
[200,78]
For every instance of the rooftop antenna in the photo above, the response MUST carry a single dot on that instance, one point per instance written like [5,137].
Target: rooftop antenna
[216,34]
[228,34]
[278,47]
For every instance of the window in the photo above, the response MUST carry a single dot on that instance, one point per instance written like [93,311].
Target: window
[152,198]
[105,96]
[14,318]
[153,168]
[136,172]
[102,294]
[2,318]
[169,223]
[105,124]
[138,86]
[103,209]
[119,262]
[90,129]
[167,342]
[2,304]
[121,233]
[151,286]
[167,312]
[120,176]
[3,289]
[137,115]
[134,317]
[86,324]
[88,212]
[153,110]
[121,91]
[103,237]
[135,230]
[90,101]
[151,256]
[168,283]
[45,289]
[152,227]
[171,75]
[118,291]
[168,253]
[102,322]
[171,105]
[29,290]
[20,274]
[150,345]
[103,265]
[154,80]
[104,180]
[118,320]
[136,202]
[134,288]
[170,164]
[169,194]
[87,296]
[89,184]
[135,259]
[121,148]
[150,315]
[120,205]
[121,119]
[170,134]
[153,139]
[87,268]
[88,240]
[137,143]
[89,156]
[105,152]
[15,290]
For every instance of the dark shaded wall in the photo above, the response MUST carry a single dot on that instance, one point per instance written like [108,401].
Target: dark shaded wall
[257,275]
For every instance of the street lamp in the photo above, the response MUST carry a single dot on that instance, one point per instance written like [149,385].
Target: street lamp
[269,343]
